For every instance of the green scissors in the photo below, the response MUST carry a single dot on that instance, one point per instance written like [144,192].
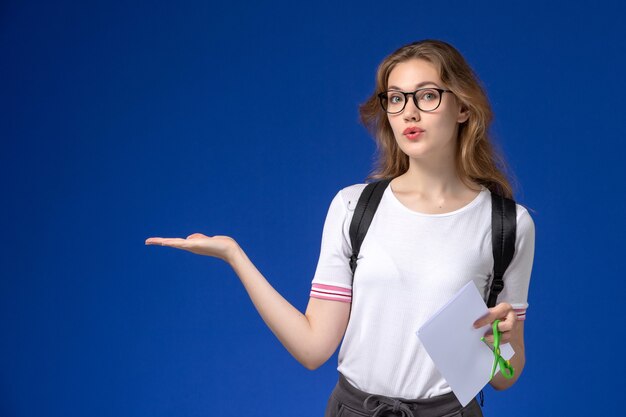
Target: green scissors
[505,366]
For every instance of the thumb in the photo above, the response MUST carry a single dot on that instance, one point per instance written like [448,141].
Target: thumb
[196,236]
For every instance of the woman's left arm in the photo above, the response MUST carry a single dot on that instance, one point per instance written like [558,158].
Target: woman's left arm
[512,331]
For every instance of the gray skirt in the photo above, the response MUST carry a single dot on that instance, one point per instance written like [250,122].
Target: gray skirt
[348,401]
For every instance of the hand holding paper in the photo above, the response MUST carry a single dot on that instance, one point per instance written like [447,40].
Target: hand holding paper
[506,317]
[506,368]
[455,346]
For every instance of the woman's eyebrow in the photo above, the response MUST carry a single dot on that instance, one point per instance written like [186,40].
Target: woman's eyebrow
[416,86]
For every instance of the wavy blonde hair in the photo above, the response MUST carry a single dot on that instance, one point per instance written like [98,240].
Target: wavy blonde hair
[476,159]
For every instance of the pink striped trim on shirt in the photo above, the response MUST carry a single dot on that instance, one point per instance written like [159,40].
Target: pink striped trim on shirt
[521,313]
[331,292]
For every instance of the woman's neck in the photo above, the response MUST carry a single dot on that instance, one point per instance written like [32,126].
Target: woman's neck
[432,179]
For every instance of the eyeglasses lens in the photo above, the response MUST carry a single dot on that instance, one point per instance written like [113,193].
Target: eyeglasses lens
[395,101]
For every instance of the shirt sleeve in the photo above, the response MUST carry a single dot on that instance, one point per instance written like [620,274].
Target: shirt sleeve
[333,276]
[517,275]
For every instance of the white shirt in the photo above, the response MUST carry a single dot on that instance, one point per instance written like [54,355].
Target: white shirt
[410,264]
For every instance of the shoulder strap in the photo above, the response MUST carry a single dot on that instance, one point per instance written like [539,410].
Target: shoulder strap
[503,225]
[363,215]
[503,230]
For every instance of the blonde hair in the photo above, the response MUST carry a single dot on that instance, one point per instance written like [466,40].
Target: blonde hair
[476,159]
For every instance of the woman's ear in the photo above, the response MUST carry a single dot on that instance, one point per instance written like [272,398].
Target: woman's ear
[463,114]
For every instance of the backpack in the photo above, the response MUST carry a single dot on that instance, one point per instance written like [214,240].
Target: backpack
[503,228]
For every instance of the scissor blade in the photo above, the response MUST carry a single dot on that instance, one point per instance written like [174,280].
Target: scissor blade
[491,348]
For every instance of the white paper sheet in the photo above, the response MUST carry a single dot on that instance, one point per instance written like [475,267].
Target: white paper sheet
[455,347]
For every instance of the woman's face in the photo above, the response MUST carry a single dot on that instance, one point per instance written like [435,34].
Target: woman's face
[438,127]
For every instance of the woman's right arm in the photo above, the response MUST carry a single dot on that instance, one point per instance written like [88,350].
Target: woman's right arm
[312,337]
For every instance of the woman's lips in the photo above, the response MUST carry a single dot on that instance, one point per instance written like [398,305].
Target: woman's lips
[412,129]
[414,135]
[413,132]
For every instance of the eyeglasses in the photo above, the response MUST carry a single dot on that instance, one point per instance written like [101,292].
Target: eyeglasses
[425,99]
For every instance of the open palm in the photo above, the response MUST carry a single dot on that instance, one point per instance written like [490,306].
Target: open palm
[217,246]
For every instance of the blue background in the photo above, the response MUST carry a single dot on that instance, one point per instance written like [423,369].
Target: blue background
[125,120]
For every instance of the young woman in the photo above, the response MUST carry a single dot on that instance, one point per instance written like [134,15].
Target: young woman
[430,236]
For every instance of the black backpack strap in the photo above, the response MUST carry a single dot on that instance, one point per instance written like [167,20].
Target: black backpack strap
[363,215]
[503,230]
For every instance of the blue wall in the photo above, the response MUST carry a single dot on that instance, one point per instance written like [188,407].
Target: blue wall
[125,120]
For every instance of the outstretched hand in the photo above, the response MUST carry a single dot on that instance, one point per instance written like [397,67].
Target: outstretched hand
[507,326]
[217,246]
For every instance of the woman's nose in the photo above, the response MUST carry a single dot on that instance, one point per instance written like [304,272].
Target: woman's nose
[411,112]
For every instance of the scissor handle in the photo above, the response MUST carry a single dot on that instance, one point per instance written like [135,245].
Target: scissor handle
[496,335]
[505,366]
[506,369]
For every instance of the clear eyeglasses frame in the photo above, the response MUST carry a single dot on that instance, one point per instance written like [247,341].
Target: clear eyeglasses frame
[426,99]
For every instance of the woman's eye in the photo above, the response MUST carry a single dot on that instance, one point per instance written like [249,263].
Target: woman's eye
[396,99]
[428,96]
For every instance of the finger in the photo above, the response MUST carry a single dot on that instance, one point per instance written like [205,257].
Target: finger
[504,338]
[512,316]
[498,312]
[483,321]
[154,240]
[505,329]
[158,241]
[196,236]
[505,326]
[174,242]
[509,322]
[486,319]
